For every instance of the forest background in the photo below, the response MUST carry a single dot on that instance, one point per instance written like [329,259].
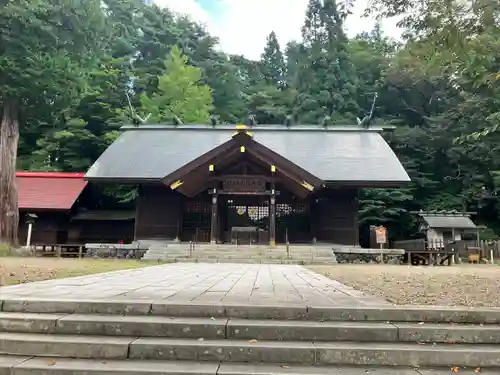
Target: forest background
[66,65]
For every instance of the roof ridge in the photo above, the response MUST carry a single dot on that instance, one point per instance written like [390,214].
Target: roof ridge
[33,174]
[268,127]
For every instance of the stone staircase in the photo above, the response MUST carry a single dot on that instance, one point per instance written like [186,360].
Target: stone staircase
[140,337]
[227,253]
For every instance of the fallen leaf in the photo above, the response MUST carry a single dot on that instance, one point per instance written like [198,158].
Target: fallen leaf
[283,366]
[51,362]
[421,323]
[477,370]
[455,369]
[201,339]
[253,341]
[420,343]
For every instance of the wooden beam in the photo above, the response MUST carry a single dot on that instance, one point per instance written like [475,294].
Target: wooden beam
[267,192]
[303,190]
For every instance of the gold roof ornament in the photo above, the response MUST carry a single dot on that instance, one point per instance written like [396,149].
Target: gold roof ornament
[307,185]
[240,128]
[176,184]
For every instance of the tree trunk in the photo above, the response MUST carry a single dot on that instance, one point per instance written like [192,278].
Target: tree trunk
[9,139]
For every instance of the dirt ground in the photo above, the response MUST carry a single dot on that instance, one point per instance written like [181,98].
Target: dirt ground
[23,270]
[459,285]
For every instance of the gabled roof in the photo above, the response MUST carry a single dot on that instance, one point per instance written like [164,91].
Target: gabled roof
[448,220]
[49,190]
[336,154]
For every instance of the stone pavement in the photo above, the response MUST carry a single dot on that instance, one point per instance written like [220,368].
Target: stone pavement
[205,283]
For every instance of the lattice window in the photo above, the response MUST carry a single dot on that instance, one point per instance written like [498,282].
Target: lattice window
[258,212]
[283,209]
[198,207]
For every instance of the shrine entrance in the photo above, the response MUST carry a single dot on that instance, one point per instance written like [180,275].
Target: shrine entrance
[245,219]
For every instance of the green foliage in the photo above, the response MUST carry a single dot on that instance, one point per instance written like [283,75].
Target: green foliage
[180,93]
[45,48]
[327,81]
[273,63]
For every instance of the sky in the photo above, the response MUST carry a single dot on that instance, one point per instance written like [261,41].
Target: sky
[242,26]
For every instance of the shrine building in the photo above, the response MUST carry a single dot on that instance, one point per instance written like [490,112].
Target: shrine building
[294,183]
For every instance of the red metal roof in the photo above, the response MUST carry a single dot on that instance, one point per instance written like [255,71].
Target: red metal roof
[49,190]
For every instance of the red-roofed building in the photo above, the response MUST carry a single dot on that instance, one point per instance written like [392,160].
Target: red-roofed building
[51,196]
[61,203]
[49,190]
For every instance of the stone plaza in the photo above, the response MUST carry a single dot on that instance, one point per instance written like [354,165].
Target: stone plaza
[207,283]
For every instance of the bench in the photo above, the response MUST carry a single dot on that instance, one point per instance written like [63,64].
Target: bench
[58,250]
[351,254]
[431,257]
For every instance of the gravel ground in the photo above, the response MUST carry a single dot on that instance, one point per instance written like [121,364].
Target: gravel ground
[460,285]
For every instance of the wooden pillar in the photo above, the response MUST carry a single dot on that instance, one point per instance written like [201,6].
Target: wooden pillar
[137,212]
[272,209]
[214,218]
[272,220]
[180,213]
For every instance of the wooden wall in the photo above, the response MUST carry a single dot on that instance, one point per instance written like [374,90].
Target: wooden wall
[158,213]
[101,231]
[335,216]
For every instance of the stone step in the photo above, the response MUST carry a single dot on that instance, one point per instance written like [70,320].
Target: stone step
[16,365]
[240,260]
[253,351]
[243,249]
[266,369]
[113,325]
[362,332]
[69,346]
[387,313]
[237,254]
[237,261]
[234,251]
[65,366]
[221,328]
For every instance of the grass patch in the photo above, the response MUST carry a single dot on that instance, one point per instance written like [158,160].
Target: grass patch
[18,270]
[5,250]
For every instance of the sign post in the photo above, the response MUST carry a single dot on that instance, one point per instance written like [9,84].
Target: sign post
[381,237]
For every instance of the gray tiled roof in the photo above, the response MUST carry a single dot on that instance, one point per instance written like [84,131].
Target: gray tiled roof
[339,154]
[449,221]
